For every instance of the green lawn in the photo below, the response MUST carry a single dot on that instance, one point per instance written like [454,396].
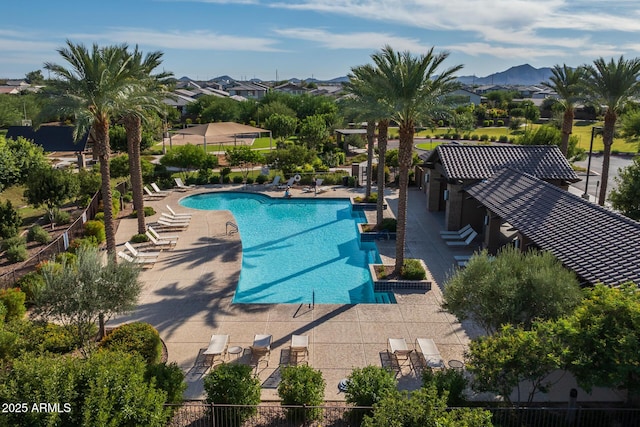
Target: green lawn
[28,213]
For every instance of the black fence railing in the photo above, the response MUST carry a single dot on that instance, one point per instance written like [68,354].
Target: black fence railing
[199,414]
[58,245]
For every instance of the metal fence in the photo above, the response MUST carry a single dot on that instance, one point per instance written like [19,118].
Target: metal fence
[75,230]
[199,414]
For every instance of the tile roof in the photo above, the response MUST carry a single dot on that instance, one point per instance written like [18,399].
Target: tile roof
[481,161]
[597,244]
[50,138]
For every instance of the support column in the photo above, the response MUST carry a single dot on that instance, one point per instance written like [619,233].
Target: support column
[492,232]
[453,207]
[433,191]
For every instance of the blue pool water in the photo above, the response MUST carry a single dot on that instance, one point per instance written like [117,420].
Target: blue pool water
[293,248]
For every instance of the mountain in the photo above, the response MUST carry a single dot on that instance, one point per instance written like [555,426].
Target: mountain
[519,75]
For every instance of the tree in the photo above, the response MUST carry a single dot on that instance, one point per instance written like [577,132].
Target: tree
[185,157]
[51,188]
[630,125]
[244,157]
[513,288]
[281,126]
[550,135]
[367,386]
[611,84]
[313,132]
[233,384]
[626,197]
[412,88]
[10,220]
[18,157]
[501,362]
[567,82]
[34,77]
[83,293]
[603,339]
[289,158]
[93,90]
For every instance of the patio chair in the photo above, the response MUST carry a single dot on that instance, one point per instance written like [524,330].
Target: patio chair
[398,350]
[157,189]
[170,225]
[217,347]
[163,243]
[162,236]
[140,254]
[289,183]
[274,183]
[180,186]
[145,262]
[150,195]
[322,189]
[179,215]
[430,355]
[176,219]
[313,188]
[461,236]
[261,347]
[465,242]
[299,347]
[453,233]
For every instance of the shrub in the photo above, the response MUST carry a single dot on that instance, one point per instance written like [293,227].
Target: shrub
[95,229]
[226,179]
[412,270]
[89,241]
[99,217]
[115,202]
[12,241]
[10,220]
[3,313]
[351,181]
[367,386]
[169,378]
[61,217]
[475,137]
[503,138]
[136,337]
[9,345]
[302,385]
[17,253]
[148,211]
[128,197]
[492,138]
[451,380]
[484,137]
[31,284]
[67,258]
[500,122]
[42,337]
[139,238]
[225,171]
[261,179]
[237,179]
[38,234]
[215,179]
[485,123]
[249,180]
[233,384]
[13,300]
[389,224]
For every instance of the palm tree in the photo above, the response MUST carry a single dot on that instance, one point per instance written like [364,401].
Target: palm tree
[611,84]
[92,90]
[147,99]
[567,83]
[409,87]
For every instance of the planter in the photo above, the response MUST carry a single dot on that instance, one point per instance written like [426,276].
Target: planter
[386,285]
[372,236]
[365,206]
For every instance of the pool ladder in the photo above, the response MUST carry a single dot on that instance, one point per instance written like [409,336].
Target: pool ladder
[230,224]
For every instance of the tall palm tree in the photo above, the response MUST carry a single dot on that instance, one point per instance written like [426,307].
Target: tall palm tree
[92,89]
[147,99]
[568,84]
[412,90]
[611,84]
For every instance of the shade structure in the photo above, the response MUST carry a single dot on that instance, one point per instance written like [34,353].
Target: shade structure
[219,130]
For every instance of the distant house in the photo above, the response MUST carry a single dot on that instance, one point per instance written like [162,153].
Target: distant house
[250,90]
[179,102]
[467,97]
[51,137]
[291,88]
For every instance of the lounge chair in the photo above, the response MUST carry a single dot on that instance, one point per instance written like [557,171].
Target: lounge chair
[217,347]
[261,347]
[458,232]
[170,225]
[274,183]
[157,189]
[430,355]
[140,254]
[461,236]
[398,350]
[322,189]
[465,242]
[179,215]
[176,219]
[299,347]
[145,262]
[289,183]
[180,186]
[150,195]
[162,236]
[161,242]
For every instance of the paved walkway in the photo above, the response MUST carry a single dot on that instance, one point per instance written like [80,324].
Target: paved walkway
[187,296]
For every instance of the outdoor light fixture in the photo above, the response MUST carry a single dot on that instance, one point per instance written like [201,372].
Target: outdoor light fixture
[586,183]
[426,178]
[446,194]
[486,220]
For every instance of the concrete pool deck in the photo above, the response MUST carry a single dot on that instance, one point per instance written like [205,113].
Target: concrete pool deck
[187,297]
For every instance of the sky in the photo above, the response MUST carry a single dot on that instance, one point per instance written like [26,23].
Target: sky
[323,39]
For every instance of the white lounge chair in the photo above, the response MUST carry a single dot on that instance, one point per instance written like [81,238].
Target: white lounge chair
[161,242]
[170,225]
[322,189]
[150,195]
[180,186]
[261,347]
[274,183]
[289,183]
[461,236]
[299,347]
[465,242]
[162,236]
[179,215]
[458,232]
[145,262]
[140,254]
[398,350]
[429,352]
[176,219]
[157,189]
[217,347]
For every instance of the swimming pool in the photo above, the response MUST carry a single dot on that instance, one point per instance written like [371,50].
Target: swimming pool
[293,249]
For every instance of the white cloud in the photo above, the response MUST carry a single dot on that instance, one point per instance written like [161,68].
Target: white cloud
[186,40]
[485,49]
[361,40]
